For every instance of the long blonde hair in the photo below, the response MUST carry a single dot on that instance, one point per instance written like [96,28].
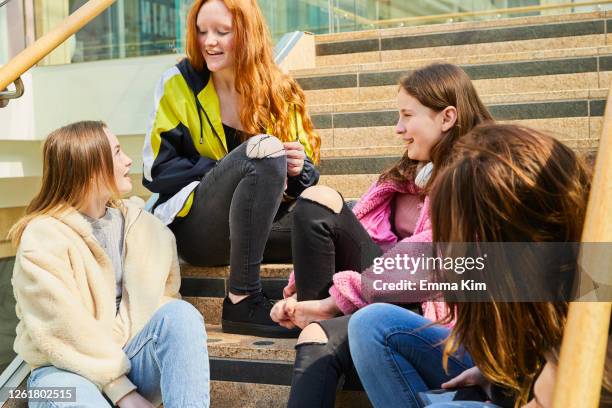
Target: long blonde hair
[269,97]
[76,159]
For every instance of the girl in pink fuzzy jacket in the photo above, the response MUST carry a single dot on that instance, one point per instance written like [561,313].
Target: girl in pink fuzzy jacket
[333,247]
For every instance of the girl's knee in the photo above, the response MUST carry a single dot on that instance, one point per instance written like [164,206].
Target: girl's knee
[270,148]
[182,314]
[325,196]
[264,147]
[313,333]
[370,318]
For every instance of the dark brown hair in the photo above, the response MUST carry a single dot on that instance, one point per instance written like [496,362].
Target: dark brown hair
[437,87]
[508,183]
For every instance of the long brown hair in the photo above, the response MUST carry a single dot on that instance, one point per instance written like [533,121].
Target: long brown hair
[509,184]
[76,159]
[269,97]
[437,87]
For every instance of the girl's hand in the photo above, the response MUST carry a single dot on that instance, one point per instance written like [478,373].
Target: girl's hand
[134,400]
[471,376]
[282,311]
[295,158]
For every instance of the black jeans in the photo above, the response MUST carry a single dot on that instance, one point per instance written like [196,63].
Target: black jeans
[318,368]
[323,243]
[235,216]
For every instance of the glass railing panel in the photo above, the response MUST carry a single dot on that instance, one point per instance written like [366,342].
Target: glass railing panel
[133,28]
[129,28]
[355,15]
[301,15]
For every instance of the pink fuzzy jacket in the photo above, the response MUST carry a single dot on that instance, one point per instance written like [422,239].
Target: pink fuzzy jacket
[374,212]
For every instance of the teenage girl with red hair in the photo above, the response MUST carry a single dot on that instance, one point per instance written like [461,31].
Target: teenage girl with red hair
[230,144]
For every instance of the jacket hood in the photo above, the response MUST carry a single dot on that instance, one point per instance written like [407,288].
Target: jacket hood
[196,80]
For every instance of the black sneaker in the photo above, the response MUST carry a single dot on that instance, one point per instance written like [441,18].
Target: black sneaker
[251,316]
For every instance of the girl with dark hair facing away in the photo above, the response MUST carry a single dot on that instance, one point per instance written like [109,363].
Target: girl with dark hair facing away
[504,184]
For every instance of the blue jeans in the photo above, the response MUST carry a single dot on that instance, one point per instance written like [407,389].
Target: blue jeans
[397,357]
[169,362]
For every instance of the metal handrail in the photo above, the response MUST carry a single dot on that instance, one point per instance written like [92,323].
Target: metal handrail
[585,339]
[51,40]
[6,95]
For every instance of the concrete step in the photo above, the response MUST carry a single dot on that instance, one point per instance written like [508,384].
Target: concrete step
[541,76]
[350,186]
[580,133]
[488,99]
[479,58]
[441,41]
[228,394]
[433,53]
[458,26]
[581,119]
[337,152]
[248,371]
[276,271]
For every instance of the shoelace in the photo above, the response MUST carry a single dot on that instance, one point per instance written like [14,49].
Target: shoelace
[262,299]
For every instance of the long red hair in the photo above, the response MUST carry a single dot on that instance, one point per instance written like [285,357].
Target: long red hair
[269,97]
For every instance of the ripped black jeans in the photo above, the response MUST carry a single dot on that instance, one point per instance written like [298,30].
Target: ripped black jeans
[325,242]
[320,369]
[237,217]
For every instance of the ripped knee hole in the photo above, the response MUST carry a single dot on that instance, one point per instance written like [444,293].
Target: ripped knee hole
[326,196]
[312,334]
[264,146]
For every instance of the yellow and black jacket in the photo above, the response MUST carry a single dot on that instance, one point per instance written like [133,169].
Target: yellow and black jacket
[185,139]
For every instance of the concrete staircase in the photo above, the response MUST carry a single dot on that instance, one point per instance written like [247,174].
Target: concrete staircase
[551,73]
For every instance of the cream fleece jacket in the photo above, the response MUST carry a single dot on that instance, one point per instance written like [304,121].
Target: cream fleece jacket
[64,284]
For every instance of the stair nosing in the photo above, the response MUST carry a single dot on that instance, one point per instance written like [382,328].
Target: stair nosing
[530,32]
